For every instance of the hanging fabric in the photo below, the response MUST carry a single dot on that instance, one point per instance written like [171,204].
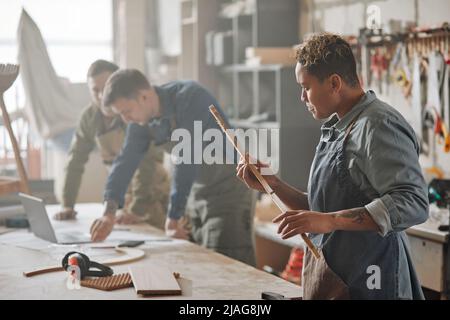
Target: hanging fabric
[445,98]
[433,99]
[52,107]
[400,70]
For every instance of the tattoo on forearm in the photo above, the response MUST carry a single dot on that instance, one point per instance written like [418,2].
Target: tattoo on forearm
[358,215]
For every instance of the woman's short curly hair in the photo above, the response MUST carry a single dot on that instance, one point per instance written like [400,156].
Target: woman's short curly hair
[325,54]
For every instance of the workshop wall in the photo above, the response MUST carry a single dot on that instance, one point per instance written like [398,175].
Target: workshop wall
[353,15]
[320,15]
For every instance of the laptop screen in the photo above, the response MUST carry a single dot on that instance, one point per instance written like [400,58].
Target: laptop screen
[37,216]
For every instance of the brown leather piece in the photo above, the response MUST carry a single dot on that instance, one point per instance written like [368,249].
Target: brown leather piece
[320,282]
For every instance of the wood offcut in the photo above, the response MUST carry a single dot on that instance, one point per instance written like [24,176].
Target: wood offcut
[118,281]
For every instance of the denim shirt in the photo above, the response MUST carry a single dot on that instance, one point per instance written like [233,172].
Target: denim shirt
[382,158]
[182,103]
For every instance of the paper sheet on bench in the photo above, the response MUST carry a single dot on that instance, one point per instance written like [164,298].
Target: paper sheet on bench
[28,240]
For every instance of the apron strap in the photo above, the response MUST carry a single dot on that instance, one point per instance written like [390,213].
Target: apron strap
[351,125]
[173,122]
[347,134]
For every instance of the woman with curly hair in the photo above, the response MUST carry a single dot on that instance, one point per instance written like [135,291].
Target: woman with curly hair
[365,186]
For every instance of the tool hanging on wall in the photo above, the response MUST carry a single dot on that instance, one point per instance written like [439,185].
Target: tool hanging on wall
[416,99]
[446,84]
[436,76]
[433,120]
[259,176]
[429,47]
[442,133]
[379,65]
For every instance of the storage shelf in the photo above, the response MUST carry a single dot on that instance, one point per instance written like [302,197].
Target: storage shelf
[250,14]
[188,21]
[260,68]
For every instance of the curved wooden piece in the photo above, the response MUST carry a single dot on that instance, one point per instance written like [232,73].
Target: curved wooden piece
[128,255]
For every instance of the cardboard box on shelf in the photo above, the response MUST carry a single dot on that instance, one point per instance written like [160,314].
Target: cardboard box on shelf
[271,55]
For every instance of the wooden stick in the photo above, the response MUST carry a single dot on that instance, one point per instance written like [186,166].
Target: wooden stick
[20,167]
[280,204]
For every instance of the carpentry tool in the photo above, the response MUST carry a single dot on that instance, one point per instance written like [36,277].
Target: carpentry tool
[446,138]
[129,255]
[259,176]
[440,130]
[8,74]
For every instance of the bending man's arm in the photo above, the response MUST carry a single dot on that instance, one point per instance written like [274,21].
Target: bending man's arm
[82,145]
[135,146]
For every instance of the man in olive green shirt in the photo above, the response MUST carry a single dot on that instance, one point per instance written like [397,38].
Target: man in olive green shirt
[147,195]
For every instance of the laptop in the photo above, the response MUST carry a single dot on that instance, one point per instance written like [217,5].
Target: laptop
[41,226]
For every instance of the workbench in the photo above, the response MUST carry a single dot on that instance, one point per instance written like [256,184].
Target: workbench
[204,274]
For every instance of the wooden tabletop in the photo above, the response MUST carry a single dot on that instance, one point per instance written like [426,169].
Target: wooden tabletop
[204,273]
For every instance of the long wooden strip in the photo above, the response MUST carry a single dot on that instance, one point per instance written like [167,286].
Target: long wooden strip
[259,176]
[128,255]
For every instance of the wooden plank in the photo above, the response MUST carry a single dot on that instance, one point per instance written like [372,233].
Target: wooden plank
[127,255]
[272,55]
[152,279]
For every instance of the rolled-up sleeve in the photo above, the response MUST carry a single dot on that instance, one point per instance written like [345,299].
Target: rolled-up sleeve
[392,168]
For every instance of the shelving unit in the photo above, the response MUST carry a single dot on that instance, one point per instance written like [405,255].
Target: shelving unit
[263,96]
[267,96]
[197,18]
